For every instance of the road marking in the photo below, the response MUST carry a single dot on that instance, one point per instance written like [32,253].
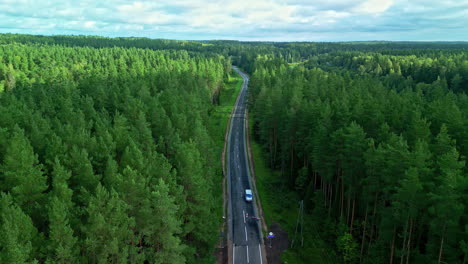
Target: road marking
[260,251]
[248,254]
[245,228]
[243,212]
[233,254]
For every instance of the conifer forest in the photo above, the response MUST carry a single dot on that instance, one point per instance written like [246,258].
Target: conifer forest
[110,147]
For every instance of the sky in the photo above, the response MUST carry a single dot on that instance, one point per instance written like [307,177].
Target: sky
[249,20]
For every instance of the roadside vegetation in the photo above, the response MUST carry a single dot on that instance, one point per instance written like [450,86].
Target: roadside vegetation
[227,98]
[378,157]
[281,205]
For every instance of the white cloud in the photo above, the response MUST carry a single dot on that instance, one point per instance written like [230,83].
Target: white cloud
[374,6]
[145,13]
[90,24]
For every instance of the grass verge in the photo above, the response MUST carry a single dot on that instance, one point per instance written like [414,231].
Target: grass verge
[281,205]
[227,99]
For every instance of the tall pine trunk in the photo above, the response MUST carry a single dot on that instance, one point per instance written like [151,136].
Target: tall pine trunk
[363,234]
[337,185]
[342,197]
[404,240]
[322,187]
[275,146]
[331,199]
[409,241]
[392,249]
[348,208]
[373,221]
[292,162]
[442,244]
[325,192]
[315,180]
[352,216]
[271,150]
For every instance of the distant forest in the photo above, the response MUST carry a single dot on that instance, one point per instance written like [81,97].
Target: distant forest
[107,149]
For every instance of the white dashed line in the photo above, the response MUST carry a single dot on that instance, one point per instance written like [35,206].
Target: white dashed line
[233,254]
[260,251]
[245,228]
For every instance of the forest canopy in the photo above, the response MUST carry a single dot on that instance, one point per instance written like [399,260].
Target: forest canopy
[107,154]
[375,145]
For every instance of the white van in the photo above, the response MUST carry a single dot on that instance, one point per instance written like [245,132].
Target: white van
[248,195]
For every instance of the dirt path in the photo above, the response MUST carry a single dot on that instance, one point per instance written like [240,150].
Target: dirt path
[278,244]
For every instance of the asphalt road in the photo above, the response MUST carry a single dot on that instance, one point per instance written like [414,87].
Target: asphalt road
[244,229]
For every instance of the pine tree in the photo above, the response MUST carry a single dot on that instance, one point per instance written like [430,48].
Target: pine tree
[406,205]
[17,234]
[62,242]
[200,230]
[23,176]
[83,178]
[108,229]
[447,206]
[355,145]
[161,235]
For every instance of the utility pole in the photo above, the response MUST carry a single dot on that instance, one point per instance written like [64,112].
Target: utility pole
[300,221]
